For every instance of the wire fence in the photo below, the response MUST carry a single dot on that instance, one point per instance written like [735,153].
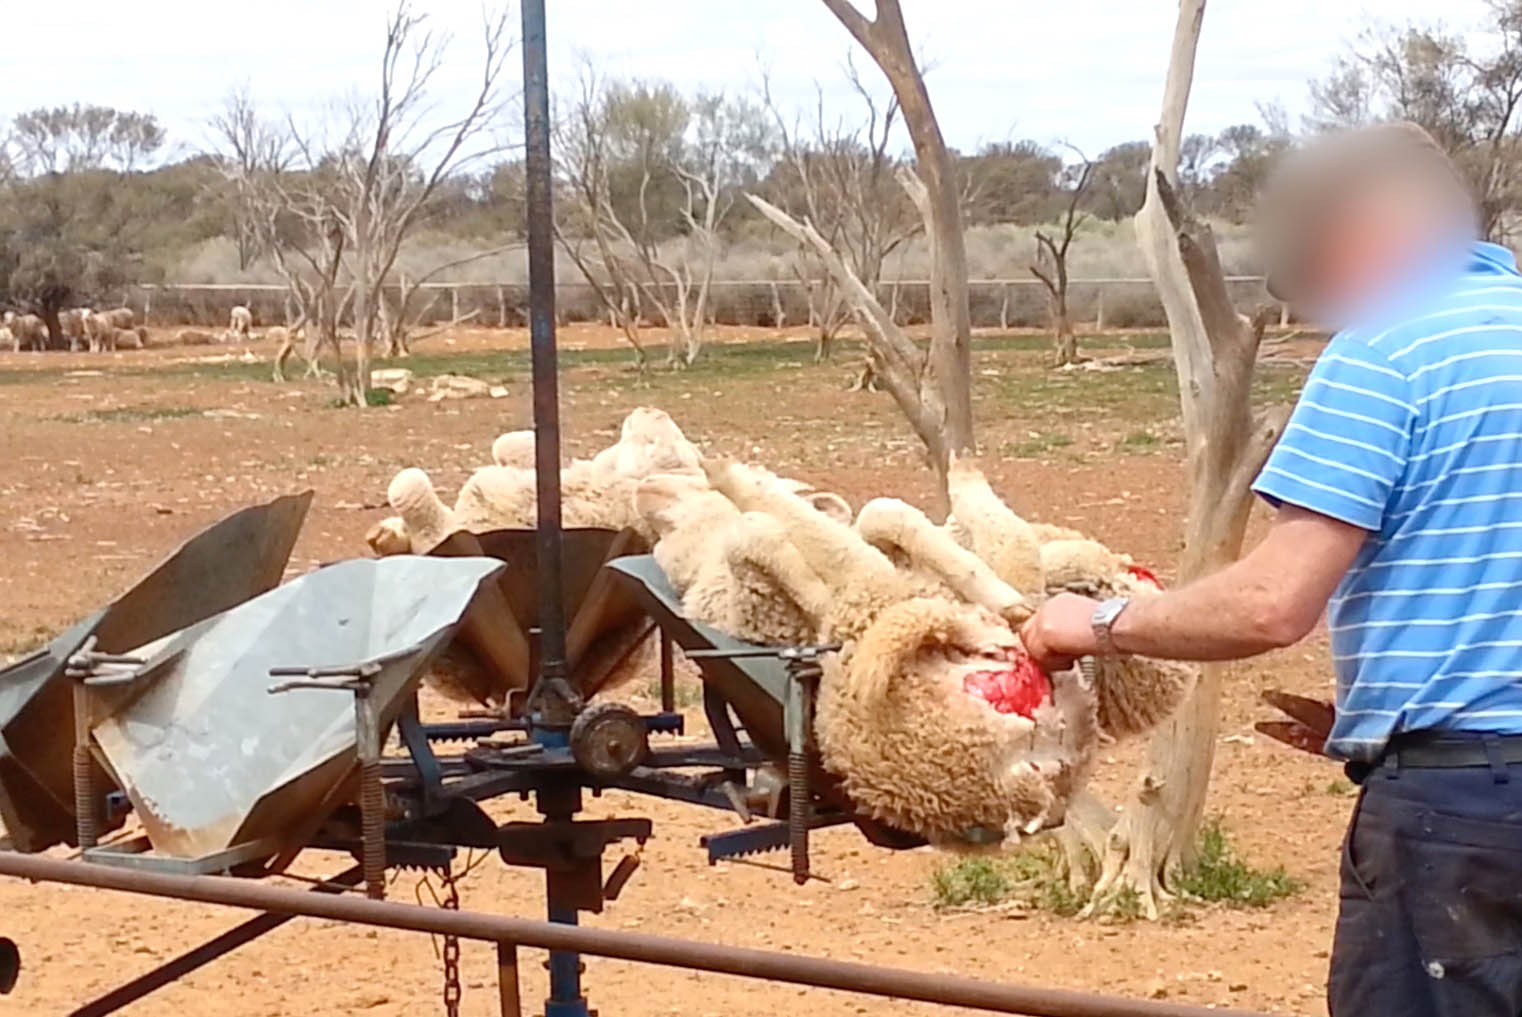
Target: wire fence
[770,303]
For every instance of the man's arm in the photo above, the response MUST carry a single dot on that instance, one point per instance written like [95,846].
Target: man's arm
[1271,598]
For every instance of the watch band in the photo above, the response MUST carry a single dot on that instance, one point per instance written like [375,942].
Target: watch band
[1103,624]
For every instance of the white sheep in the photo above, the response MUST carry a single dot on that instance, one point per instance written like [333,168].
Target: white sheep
[241,322]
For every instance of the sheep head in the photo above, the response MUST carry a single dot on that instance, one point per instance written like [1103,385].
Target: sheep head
[514,448]
[937,722]
[388,537]
[427,519]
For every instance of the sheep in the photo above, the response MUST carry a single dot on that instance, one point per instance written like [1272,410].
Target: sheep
[121,317]
[909,683]
[726,589]
[28,330]
[388,537]
[1133,694]
[425,519]
[983,524]
[240,323]
[71,323]
[7,339]
[938,565]
[101,330]
[129,338]
[194,337]
[514,448]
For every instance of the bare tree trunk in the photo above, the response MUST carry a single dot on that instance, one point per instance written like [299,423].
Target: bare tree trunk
[938,198]
[1065,339]
[1215,351]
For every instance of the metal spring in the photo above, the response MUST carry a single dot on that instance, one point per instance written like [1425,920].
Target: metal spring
[85,824]
[798,814]
[372,812]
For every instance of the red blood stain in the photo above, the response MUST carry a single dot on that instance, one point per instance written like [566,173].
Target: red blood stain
[1145,574]
[1018,689]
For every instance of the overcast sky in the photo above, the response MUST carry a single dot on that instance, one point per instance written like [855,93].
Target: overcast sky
[1088,71]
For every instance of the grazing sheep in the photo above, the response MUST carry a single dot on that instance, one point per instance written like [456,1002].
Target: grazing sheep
[8,340]
[101,331]
[240,323]
[29,331]
[71,323]
[121,317]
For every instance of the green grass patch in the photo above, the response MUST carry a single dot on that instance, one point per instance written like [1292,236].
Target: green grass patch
[379,397]
[1219,875]
[1035,446]
[130,414]
[1141,441]
[1340,788]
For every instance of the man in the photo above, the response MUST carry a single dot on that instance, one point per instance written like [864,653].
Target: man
[1398,494]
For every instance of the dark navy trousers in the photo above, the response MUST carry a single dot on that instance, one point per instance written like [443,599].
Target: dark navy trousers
[1430,923]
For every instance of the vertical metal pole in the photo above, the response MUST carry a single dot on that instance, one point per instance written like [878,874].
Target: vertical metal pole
[541,281]
[507,979]
[558,802]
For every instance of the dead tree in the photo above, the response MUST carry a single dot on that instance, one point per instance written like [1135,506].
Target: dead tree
[948,362]
[397,321]
[1051,265]
[1227,442]
[931,385]
[392,157]
[840,176]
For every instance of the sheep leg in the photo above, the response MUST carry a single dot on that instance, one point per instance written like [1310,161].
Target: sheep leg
[888,522]
[760,543]
[832,550]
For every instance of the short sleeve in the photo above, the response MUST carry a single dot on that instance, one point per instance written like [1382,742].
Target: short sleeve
[1346,443]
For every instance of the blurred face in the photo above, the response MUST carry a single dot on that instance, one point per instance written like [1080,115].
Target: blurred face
[1377,239]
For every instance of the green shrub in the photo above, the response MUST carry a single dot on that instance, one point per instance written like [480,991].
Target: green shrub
[971,881]
[1219,875]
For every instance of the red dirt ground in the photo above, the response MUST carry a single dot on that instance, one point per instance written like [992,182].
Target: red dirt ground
[113,460]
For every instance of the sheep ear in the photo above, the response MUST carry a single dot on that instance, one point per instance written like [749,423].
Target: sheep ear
[832,505]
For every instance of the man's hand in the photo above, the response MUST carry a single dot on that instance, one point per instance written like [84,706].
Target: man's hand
[1060,632]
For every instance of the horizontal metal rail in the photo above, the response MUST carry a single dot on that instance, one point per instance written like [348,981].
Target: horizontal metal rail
[820,972]
[790,284]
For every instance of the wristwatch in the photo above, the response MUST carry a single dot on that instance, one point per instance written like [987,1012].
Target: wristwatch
[1103,622]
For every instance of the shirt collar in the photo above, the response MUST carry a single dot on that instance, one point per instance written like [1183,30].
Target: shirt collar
[1492,259]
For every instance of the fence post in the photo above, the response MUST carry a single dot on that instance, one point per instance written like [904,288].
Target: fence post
[1099,308]
[1004,307]
[1284,315]
[501,308]
[454,303]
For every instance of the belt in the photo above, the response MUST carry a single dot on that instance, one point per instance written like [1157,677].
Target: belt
[1436,751]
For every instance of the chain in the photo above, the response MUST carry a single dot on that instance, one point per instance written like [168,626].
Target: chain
[451,902]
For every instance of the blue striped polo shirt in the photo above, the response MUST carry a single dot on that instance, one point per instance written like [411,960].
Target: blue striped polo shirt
[1412,430]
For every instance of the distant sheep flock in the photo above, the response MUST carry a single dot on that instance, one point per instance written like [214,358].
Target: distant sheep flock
[84,328]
